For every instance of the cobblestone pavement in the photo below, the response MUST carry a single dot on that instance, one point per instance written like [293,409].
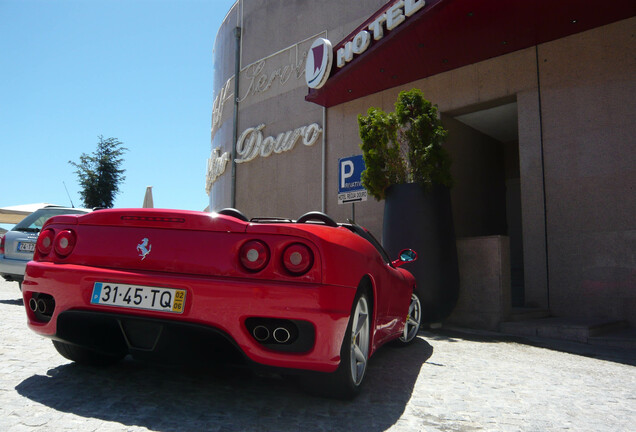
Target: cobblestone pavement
[443,382]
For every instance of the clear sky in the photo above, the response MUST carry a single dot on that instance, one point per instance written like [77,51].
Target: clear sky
[136,70]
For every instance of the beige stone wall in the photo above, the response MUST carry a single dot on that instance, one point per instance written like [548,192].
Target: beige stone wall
[579,127]
[587,108]
[484,293]
[588,94]
[276,35]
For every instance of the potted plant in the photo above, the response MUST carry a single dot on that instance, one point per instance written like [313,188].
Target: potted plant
[407,166]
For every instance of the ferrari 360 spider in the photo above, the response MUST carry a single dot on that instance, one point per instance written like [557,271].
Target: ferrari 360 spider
[309,295]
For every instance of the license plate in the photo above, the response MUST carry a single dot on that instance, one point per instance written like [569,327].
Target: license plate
[138,297]
[26,247]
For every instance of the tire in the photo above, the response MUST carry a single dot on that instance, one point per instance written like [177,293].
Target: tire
[85,356]
[413,322]
[346,381]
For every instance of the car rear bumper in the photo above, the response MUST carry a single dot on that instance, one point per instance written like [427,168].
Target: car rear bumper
[225,306]
[12,269]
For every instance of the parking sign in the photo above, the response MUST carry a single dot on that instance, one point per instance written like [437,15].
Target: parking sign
[350,187]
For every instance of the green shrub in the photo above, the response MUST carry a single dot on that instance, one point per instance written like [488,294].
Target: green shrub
[404,146]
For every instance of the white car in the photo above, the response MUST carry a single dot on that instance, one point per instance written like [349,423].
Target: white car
[17,246]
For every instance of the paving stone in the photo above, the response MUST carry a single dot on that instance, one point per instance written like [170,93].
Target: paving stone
[443,382]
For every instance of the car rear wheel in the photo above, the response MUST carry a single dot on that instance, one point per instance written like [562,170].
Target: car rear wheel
[345,382]
[86,356]
[413,322]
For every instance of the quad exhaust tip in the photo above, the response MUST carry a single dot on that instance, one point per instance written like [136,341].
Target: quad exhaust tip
[261,333]
[281,335]
[42,305]
[273,331]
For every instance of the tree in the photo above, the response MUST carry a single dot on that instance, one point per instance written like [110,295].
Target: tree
[99,174]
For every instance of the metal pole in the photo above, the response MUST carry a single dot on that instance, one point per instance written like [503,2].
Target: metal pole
[237,71]
[323,198]
[545,200]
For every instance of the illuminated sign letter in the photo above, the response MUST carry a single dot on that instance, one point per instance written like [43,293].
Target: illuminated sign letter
[377,28]
[412,6]
[361,42]
[394,16]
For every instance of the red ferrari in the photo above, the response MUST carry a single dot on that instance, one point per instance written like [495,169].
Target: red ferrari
[309,295]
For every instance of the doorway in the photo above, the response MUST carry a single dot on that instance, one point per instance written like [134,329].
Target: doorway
[484,144]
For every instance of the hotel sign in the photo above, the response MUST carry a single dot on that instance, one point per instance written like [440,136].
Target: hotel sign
[318,66]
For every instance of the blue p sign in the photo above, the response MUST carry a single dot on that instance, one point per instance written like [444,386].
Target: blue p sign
[350,187]
[346,172]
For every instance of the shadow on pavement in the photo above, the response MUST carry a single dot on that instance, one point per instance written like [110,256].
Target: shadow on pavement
[616,355]
[16,302]
[184,398]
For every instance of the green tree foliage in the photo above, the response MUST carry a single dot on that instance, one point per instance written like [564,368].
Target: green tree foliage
[404,146]
[99,173]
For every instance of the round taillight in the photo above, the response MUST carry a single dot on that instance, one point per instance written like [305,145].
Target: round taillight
[254,255]
[45,241]
[298,259]
[64,243]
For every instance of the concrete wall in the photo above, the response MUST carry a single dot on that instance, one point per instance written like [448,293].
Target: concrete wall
[276,35]
[575,144]
[484,293]
[588,98]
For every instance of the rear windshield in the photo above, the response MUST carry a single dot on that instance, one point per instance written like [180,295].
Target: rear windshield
[35,221]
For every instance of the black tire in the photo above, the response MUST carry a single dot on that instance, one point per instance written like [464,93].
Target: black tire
[346,381]
[85,356]
[413,323]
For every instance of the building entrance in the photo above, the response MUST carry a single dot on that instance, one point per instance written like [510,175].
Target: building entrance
[484,144]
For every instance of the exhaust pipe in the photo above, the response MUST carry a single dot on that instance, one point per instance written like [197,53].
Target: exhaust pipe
[282,335]
[45,306]
[33,304]
[260,333]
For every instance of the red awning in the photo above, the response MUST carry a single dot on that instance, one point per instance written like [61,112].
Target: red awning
[448,34]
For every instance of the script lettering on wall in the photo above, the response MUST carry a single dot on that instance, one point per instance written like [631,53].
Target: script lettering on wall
[284,69]
[252,144]
[216,166]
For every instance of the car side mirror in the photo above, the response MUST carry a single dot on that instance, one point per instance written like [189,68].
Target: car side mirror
[406,256]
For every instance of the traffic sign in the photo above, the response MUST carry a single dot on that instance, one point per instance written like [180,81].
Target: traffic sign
[350,187]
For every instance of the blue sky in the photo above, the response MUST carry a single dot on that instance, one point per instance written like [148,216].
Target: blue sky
[136,70]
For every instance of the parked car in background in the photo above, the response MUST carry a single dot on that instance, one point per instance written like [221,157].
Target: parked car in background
[17,245]
[311,295]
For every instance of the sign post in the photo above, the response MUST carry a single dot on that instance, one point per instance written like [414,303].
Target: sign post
[350,189]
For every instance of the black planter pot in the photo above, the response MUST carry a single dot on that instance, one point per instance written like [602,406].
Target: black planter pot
[423,221]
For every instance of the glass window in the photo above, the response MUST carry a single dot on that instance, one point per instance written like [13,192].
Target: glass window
[35,221]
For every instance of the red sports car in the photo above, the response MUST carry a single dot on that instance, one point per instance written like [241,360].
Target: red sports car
[309,295]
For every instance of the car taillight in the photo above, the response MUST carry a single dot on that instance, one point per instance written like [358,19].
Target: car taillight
[45,241]
[254,255]
[2,244]
[298,259]
[64,243]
